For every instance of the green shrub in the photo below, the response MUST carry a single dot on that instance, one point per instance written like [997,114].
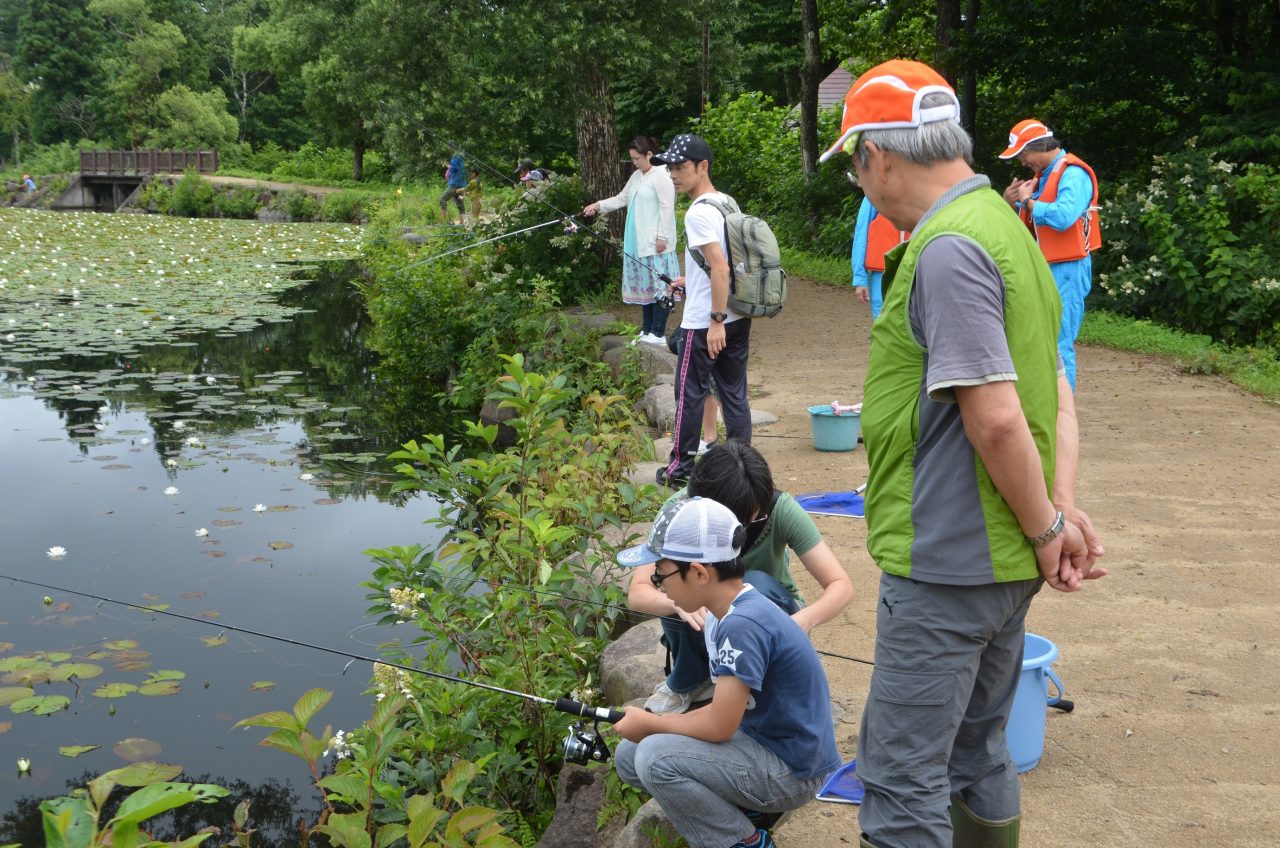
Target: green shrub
[299,205]
[236,203]
[342,207]
[192,196]
[329,165]
[156,196]
[758,161]
[1194,248]
[529,522]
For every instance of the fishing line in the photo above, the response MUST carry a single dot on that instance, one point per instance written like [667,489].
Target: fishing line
[564,705]
[436,256]
[606,605]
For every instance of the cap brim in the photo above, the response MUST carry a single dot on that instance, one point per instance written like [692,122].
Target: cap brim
[639,555]
[662,160]
[839,144]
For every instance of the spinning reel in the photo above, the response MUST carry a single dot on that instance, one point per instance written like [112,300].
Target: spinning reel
[668,300]
[583,745]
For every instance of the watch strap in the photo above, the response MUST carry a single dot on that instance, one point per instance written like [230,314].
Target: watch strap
[1054,531]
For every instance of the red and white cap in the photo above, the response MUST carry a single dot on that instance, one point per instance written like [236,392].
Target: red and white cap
[1022,134]
[888,97]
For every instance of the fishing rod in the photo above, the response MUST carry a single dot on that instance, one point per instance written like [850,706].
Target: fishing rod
[436,256]
[511,181]
[635,613]
[580,744]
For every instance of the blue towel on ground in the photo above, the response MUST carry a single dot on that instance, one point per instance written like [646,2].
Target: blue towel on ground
[832,503]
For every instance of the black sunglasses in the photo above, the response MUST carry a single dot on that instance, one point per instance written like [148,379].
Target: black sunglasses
[656,579]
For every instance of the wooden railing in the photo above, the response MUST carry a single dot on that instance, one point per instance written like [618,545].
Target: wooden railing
[126,163]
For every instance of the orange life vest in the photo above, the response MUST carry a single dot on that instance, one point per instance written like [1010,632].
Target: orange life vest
[1081,238]
[882,237]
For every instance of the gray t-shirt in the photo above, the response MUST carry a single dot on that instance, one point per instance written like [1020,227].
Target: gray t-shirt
[957,315]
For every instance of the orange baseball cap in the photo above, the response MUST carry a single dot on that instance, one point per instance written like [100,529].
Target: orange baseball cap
[888,97]
[1022,134]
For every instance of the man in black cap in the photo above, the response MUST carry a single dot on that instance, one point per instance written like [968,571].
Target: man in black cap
[716,338]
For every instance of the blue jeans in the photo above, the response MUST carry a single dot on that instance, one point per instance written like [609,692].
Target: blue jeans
[690,665]
[703,787]
[654,320]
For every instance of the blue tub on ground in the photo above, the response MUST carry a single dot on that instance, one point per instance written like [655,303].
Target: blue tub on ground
[833,432]
[1031,702]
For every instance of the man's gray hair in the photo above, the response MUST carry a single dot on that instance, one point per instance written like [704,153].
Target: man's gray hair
[936,141]
[1042,145]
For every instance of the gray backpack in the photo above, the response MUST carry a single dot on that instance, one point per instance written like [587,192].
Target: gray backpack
[757,283]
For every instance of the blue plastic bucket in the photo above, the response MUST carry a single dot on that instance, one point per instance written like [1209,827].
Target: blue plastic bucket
[833,432]
[1031,702]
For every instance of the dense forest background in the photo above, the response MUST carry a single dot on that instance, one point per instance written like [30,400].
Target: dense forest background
[1175,103]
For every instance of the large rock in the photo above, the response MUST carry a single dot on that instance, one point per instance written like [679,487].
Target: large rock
[493,413]
[760,418]
[609,342]
[656,360]
[589,321]
[579,799]
[618,358]
[660,405]
[633,664]
[639,832]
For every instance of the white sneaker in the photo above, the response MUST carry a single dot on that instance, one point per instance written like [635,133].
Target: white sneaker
[703,447]
[665,702]
[653,339]
[638,339]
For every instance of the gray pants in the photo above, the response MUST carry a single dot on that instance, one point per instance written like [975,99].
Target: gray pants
[947,665]
[703,787]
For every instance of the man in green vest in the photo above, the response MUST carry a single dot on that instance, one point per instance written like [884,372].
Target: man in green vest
[972,444]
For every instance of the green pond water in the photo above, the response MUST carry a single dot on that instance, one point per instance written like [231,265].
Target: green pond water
[189,421]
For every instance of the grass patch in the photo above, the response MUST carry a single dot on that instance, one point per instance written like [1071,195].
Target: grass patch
[834,271]
[1252,368]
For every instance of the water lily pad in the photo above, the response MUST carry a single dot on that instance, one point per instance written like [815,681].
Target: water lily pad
[5,647]
[57,656]
[41,704]
[214,553]
[144,773]
[326,501]
[229,508]
[74,751]
[225,522]
[5,725]
[83,671]
[214,641]
[160,689]
[135,748]
[28,676]
[166,674]
[261,686]
[120,645]
[193,595]
[280,545]
[114,690]
[9,694]
[282,508]
[25,661]
[132,665]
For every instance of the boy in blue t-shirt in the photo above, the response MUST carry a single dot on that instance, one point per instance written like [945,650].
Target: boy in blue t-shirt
[765,742]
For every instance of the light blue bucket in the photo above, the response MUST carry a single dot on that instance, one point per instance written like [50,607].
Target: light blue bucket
[1025,731]
[833,432]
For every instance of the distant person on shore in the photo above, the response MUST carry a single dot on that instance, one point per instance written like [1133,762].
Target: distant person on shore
[873,237]
[649,239]
[736,475]
[28,184]
[475,193]
[455,180]
[765,743]
[972,445]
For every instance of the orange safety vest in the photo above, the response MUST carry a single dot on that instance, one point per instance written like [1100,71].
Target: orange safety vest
[1081,238]
[882,237]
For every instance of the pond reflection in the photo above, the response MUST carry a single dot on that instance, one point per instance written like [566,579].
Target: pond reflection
[234,478]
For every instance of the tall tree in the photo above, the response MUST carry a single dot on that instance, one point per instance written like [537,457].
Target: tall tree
[146,51]
[810,77]
[59,43]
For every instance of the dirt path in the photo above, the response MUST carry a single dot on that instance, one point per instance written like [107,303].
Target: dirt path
[1171,661]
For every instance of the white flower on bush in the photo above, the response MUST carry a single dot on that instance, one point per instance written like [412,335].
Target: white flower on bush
[339,745]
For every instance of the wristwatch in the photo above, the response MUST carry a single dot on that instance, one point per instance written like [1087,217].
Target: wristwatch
[719,317]
[1049,535]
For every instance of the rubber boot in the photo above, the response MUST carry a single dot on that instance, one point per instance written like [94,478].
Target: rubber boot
[971,831]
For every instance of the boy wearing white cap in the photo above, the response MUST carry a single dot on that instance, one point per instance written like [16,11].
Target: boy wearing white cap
[765,742]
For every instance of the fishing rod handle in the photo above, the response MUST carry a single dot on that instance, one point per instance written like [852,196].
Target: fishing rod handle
[566,705]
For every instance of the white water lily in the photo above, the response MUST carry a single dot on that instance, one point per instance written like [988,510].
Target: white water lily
[202,532]
[144,441]
[210,380]
[259,507]
[24,765]
[119,332]
[56,552]
[179,425]
[193,441]
[171,490]
[172,463]
[307,475]
[10,337]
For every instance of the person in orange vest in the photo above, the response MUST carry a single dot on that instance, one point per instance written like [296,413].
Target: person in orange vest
[1059,204]
[873,237]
